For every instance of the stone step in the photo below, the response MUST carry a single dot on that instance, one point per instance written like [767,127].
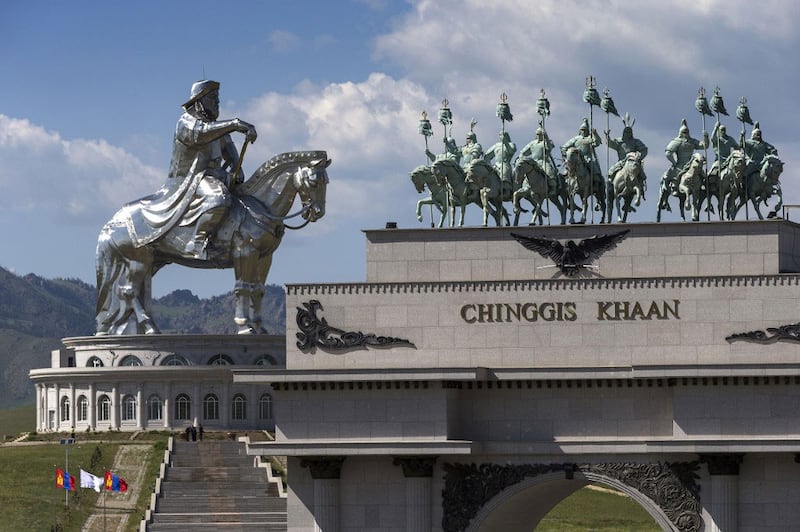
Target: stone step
[220,517]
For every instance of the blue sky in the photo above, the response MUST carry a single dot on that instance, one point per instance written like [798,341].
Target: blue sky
[91,92]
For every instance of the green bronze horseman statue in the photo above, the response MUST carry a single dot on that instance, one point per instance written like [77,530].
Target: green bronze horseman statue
[205,216]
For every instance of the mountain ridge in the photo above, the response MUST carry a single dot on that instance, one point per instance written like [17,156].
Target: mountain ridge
[36,313]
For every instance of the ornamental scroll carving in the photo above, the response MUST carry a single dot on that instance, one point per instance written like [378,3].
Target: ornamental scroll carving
[314,332]
[784,333]
[672,486]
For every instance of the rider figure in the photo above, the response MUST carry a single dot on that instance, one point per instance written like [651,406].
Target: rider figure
[586,143]
[756,149]
[203,153]
[625,145]
[471,151]
[502,151]
[450,153]
[723,144]
[539,150]
[679,151]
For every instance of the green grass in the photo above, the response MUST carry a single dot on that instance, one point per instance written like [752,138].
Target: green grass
[597,511]
[29,499]
[13,421]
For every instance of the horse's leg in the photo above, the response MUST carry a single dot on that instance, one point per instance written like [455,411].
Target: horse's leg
[245,269]
[257,294]
[420,203]
[485,204]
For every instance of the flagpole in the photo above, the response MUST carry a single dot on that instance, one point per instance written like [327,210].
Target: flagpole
[543,108]
[55,492]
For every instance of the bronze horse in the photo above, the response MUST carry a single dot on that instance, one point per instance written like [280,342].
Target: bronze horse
[245,241]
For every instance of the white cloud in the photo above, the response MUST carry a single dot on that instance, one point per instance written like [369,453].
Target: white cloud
[67,179]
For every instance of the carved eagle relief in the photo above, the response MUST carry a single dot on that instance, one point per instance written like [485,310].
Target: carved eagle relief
[570,257]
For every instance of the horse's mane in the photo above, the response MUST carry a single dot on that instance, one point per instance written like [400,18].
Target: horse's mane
[271,170]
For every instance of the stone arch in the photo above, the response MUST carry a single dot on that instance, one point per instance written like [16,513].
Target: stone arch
[525,504]
[486,496]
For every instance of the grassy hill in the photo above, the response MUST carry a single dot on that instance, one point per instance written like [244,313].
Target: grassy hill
[36,313]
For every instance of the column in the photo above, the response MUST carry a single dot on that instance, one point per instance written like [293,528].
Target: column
[139,408]
[72,407]
[115,406]
[724,505]
[225,403]
[39,404]
[92,408]
[326,473]
[418,471]
[197,404]
[166,406]
[58,407]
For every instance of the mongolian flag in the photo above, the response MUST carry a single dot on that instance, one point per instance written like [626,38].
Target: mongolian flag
[114,483]
[64,480]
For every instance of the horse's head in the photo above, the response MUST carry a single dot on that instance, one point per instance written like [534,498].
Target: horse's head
[419,176]
[698,160]
[311,182]
[771,169]
[737,161]
[633,160]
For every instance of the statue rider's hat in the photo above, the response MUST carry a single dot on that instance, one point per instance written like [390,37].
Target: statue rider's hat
[200,89]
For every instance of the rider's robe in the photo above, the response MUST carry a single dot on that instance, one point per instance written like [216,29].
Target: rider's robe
[195,184]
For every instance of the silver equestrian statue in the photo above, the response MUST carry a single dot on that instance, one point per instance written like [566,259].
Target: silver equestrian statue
[204,216]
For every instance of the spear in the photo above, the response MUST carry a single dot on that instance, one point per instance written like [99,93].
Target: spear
[607,105]
[591,96]
[701,104]
[504,113]
[543,108]
[446,119]
[718,106]
[425,129]
[743,114]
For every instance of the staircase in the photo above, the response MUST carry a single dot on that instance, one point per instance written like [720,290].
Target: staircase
[213,485]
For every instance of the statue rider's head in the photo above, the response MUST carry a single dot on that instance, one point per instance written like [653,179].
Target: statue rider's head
[204,99]
[450,145]
[539,134]
[723,131]
[584,129]
[627,133]
[505,137]
[683,132]
[756,134]
[472,138]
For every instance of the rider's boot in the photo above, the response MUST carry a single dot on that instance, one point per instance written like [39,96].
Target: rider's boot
[204,230]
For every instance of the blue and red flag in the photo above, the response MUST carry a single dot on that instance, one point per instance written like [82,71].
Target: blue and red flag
[64,480]
[114,483]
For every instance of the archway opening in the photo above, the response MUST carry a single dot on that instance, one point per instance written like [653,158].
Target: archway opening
[599,508]
[525,507]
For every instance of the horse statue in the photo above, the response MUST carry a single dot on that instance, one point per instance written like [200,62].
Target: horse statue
[626,187]
[691,181]
[493,190]
[245,241]
[580,182]
[422,177]
[761,185]
[726,184]
[460,192]
[531,183]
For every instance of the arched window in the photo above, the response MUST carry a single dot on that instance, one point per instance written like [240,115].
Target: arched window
[183,407]
[265,406]
[65,409]
[103,408]
[211,407]
[239,406]
[128,408]
[265,360]
[83,408]
[130,360]
[154,407]
[94,362]
[220,360]
[174,360]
